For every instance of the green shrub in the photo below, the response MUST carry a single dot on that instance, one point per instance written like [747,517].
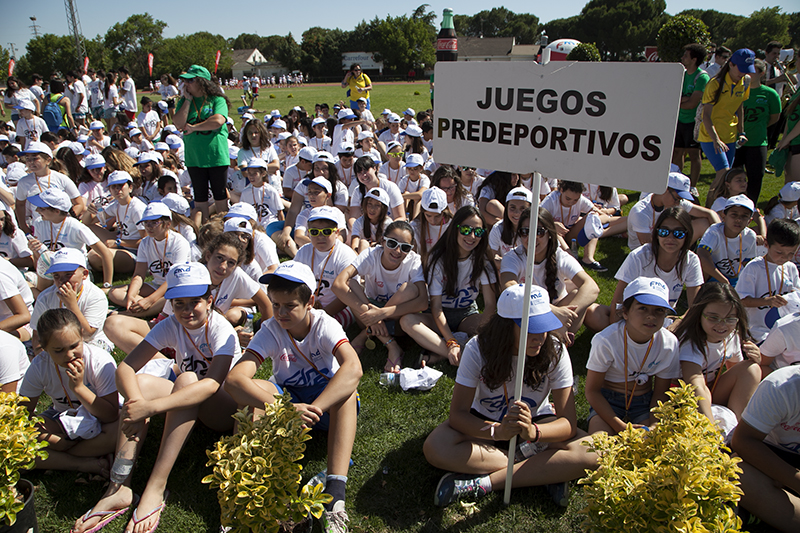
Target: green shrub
[416,93]
[290,95]
[676,477]
[679,31]
[272,96]
[584,52]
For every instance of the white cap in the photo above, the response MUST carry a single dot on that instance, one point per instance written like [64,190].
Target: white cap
[362,99]
[386,111]
[681,184]
[177,204]
[96,125]
[229,120]
[346,148]
[740,200]
[242,210]
[66,260]
[293,271]
[275,113]
[248,116]
[160,158]
[132,152]
[279,124]
[323,156]
[52,197]
[790,192]
[118,177]
[326,212]
[256,162]
[318,120]
[302,140]
[37,148]
[83,139]
[94,161]
[131,125]
[282,136]
[233,152]
[238,224]
[434,200]
[413,131]
[146,157]
[648,291]
[307,153]
[414,160]
[25,104]
[297,108]
[518,193]
[321,181]
[345,112]
[4,137]
[171,128]
[78,149]
[511,304]
[134,132]
[376,193]
[161,147]
[15,172]
[187,280]
[173,141]
[410,112]
[154,211]
[392,144]
[163,105]
[366,134]
[394,118]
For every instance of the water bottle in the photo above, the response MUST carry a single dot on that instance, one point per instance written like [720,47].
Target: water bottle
[248,324]
[528,449]
[41,246]
[573,248]
[319,479]
[123,462]
[389,379]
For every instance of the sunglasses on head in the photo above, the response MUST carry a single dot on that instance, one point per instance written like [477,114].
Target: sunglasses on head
[677,233]
[315,232]
[393,243]
[466,230]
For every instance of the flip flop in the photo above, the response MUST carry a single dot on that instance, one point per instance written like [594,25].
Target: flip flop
[109,516]
[159,509]
[393,363]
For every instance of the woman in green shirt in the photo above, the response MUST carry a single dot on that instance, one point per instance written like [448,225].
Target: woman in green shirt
[202,112]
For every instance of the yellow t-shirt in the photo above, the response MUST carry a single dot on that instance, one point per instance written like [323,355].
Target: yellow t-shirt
[355,82]
[723,115]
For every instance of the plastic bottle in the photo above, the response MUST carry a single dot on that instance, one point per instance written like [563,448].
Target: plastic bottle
[573,248]
[123,462]
[528,449]
[41,246]
[248,324]
[389,379]
[319,479]
[447,41]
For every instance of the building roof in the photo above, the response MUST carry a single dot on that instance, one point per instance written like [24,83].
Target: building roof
[486,47]
[242,55]
[525,50]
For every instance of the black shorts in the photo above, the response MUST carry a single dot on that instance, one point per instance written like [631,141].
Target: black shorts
[794,149]
[791,458]
[684,136]
[171,103]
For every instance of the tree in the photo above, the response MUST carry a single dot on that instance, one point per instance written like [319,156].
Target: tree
[561,28]
[794,29]
[4,57]
[584,52]
[722,26]
[677,33]
[179,53]
[246,41]
[47,54]
[620,27]
[499,22]
[322,51]
[288,52]
[131,41]
[402,43]
[762,26]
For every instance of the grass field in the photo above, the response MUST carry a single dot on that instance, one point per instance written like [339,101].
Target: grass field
[390,486]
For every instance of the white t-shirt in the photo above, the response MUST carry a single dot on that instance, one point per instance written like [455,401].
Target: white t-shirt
[346,175]
[95,93]
[566,215]
[467,293]
[106,142]
[236,180]
[78,88]
[642,218]
[779,211]
[268,154]
[729,255]
[320,144]
[754,282]
[607,355]
[95,192]
[774,409]
[13,359]
[167,91]
[159,256]
[567,268]
[395,196]
[127,217]
[129,102]
[236,286]
[492,403]
[341,135]
[290,368]
[266,251]
[69,234]
[641,262]
[592,192]
[113,94]
[381,284]
[31,130]
[92,302]
[30,185]
[14,246]
[266,200]
[339,196]
[44,376]
[340,257]
[358,228]
[149,122]
[406,185]
[783,341]
[12,283]
[433,234]
[387,136]
[715,353]
[292,176]
[476,182]
[496,240]
[194,349]
[395,175]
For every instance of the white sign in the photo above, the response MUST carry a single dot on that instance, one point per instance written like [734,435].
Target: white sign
[602,123]
[365,59]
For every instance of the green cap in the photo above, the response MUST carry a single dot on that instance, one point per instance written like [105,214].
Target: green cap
[196,71]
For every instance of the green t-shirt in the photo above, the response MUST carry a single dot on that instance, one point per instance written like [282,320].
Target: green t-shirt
[696,82]
[206,149]
[791,120]
[763,102]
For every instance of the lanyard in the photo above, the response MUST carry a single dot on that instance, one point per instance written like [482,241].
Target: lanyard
[309,361]
[196,110]
[322,272]
[164,256]
[349,174]
[569,213]
[39,184]
[195,346]
[53,243]
[66,394]
[728,255]
[769,283]
[124,220]
[627,399]
[77,297]
[396,176]
[721,368]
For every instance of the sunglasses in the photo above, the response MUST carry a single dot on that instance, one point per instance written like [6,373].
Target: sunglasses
[677,233]
[393,243]
[394,154]
[316,232]
[728,321]
[466,230]
[540,232]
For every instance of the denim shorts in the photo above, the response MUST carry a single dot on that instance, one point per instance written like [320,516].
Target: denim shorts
[455,316]
[308,395]
[720,160]
[638,412]
[391,325]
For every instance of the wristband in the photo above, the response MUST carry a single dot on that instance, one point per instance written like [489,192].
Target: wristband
[538,433]
[452,342]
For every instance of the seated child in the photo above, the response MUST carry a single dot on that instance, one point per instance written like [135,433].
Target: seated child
[782,346]
[265,250]
[784,205]
[368,229]
[503,235]
[13,362]
[261,194]
[313,360]
[13,244]
[726,247]
[431,222]
[16,302]
[318,193]
[413,184]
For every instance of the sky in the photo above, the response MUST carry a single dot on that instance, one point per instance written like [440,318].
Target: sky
[273,18]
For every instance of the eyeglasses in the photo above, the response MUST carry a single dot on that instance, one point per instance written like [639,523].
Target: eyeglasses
[316,232]
[394,154]
[446,189]
[540,232]
[728,320]
[677,233]
[152,223]
[468,168]
[393,243]
[466,230]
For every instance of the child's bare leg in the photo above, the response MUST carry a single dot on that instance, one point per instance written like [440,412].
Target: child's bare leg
[126,332]
[341,435]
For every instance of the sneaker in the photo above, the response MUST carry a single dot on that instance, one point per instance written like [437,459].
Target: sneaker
[594,265]
[559,492]
[453,487]
[693,192]
[335,520]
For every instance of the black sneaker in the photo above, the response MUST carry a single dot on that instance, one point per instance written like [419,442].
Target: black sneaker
[453,487]
[594,265]
[559,492]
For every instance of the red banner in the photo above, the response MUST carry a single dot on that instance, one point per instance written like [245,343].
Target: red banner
[11,65]
[150,63]
[85,63]
[651,53]
[216,63]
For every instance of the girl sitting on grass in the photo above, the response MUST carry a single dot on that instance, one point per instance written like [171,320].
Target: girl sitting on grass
[432,221]
[368,229]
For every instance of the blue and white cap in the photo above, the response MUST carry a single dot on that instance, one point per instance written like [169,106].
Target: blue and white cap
[96,125]
[279,124]
[242,210]
[154,211]
[327,212]
[414,160]
[161,147]
[648,291]
[317,121]
[66,260]
[256,162]
[177,204]
[681,184]
[187,280]
[321,181]
[119,177]
[741,200]
[541,318]
[37,148]
[52,197]
[413,131]
[94,161]
[307,153]
[147,157]
[237,224]
[134,132]
[293,271]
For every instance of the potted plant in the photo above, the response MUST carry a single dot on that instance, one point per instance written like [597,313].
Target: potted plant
[676,477]
[257,473]
[19,448]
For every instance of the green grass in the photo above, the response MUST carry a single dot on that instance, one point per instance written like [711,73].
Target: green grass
[391,486]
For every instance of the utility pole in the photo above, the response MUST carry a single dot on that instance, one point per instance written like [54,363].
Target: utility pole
[74,24]
[13,51]
[34,28]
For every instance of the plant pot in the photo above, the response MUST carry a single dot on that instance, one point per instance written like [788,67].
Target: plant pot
[26,518]
[304,526]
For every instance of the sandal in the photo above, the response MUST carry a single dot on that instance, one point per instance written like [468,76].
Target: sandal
[428,359]
[107,516]
[159,509]
[392,363]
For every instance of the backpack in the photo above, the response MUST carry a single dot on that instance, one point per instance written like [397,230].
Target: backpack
[52,115]
[698,116]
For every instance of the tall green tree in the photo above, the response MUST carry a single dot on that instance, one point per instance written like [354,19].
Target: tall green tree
[561,28]
[794,29]
[676,33]
[402,43]
[47,54]
[5,55]
[288,52]
[499,22]
[245,41]
[322,51]
[620,27]
[721,26]
[179,53]
[131,41]
[762,26]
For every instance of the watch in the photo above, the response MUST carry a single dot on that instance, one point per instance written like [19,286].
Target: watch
[106,285]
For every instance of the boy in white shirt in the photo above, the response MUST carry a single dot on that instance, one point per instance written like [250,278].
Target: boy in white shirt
[726,247]
[313,360]
[148,120]
[30,127]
